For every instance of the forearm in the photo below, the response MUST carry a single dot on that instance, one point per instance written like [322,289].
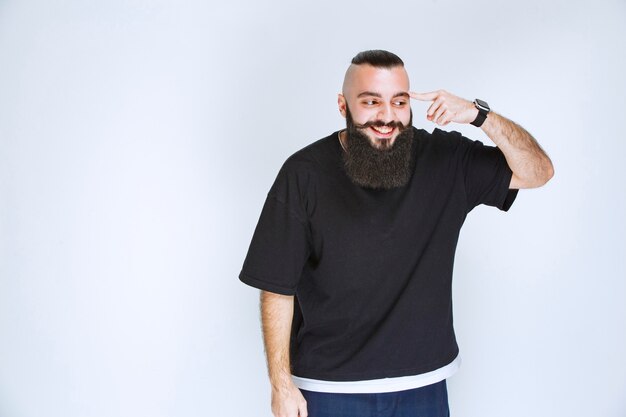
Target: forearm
[531,166]
[276,317]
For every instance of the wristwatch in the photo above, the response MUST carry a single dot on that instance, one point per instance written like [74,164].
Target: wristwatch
[483,110]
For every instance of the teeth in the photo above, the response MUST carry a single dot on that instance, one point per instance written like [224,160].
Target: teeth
[383,129]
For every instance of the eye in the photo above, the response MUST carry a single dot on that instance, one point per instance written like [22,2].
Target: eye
[370,102]
[399,103]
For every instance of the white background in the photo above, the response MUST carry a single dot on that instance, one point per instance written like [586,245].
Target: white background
[138,140]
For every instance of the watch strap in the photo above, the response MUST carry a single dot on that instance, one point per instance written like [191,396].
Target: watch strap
[483,111]
[480,118]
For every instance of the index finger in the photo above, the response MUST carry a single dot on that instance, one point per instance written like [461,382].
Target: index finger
[424,96]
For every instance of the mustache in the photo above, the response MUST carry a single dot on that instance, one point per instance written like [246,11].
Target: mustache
[380,123]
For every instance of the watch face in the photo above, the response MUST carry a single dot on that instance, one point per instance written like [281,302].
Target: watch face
[482,105]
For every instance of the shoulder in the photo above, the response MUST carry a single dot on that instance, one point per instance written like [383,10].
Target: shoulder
[314,157]
[304,166]
[316,152]
[451,139]
[448,142]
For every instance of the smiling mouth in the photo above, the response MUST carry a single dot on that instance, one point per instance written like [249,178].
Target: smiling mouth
[383,132]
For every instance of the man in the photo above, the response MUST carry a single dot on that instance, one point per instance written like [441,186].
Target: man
[355,245]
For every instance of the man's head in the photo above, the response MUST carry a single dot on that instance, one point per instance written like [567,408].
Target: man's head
[375,103]
[376,93]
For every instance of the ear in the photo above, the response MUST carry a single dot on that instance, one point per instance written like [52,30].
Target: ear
[341,102]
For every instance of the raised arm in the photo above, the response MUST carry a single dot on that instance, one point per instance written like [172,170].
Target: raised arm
[531,166]
[276,317]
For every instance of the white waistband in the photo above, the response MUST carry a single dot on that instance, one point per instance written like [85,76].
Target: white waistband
[379,385]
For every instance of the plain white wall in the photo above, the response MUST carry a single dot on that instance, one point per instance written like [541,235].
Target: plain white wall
[138,140]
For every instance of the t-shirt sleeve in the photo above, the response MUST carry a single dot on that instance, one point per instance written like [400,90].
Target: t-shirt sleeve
[487,176]
[280,243]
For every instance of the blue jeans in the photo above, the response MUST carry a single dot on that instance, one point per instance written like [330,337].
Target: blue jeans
[428,401]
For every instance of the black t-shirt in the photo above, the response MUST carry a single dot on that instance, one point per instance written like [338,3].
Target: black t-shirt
[372,269]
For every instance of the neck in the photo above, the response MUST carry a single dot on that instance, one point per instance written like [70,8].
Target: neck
[342,140]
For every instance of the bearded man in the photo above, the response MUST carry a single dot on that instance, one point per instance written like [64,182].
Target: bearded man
[354,248]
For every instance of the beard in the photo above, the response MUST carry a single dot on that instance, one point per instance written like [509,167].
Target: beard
[386,167]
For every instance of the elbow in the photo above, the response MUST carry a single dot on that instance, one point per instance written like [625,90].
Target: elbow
[546,175]
[534,179]
[548,171]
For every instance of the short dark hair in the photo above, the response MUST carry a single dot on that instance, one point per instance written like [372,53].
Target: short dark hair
[378,58]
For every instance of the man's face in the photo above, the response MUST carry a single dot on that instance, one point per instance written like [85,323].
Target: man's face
[378,99]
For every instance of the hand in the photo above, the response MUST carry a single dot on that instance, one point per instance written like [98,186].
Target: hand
[288,402]
[447,108]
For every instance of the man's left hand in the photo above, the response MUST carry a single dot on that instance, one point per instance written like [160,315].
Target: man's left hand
[447,107]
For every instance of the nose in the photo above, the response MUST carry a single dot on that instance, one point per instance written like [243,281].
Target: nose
[386,113]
